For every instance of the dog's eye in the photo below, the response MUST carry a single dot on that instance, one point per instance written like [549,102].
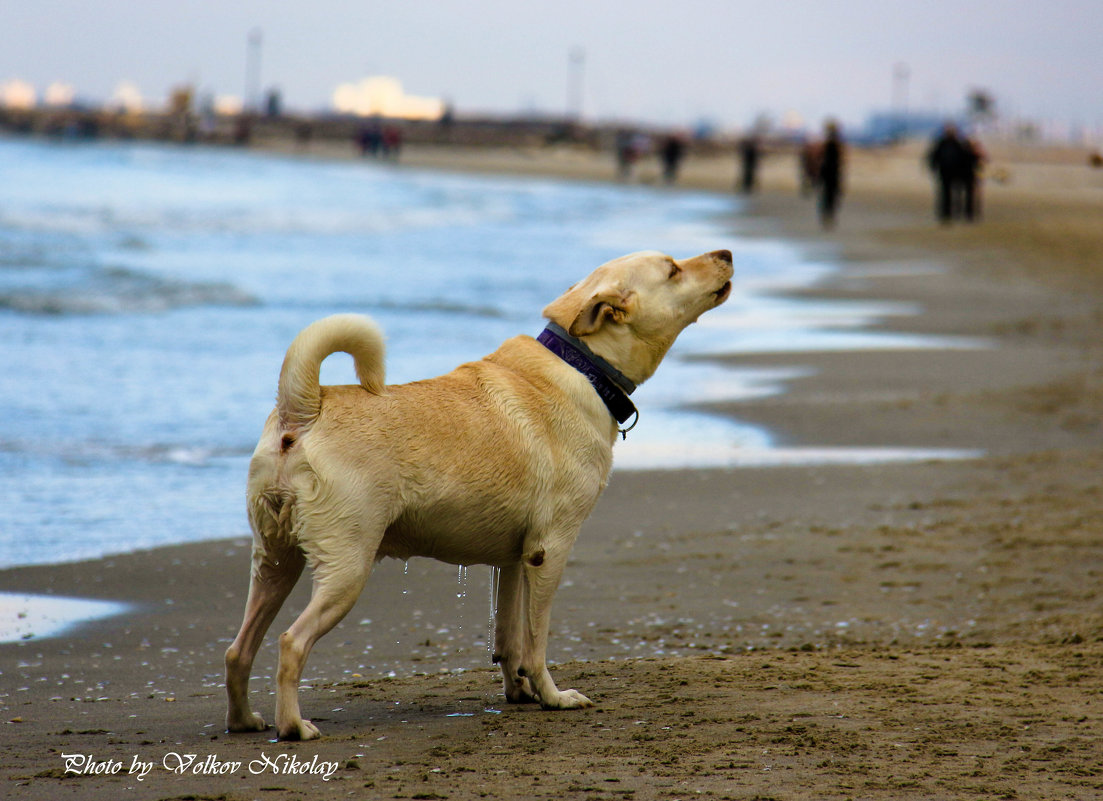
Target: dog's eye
[674,269]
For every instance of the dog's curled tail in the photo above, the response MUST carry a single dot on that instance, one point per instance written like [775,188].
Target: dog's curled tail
[299,399]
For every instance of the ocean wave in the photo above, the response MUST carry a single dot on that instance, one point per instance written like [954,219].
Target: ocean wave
[22,250]
[87,454]
[134,224]
[121,291]
[441,307]
[182,455]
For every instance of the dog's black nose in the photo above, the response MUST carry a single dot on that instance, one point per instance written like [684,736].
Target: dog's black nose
[723,255]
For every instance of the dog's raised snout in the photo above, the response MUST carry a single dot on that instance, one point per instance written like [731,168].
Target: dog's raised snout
[722,255]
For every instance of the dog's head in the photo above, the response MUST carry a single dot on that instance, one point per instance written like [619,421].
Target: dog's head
[630,310]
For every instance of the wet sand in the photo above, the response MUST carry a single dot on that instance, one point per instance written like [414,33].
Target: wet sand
[903,631]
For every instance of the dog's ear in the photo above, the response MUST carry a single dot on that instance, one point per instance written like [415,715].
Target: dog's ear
[581,319]
[595,312]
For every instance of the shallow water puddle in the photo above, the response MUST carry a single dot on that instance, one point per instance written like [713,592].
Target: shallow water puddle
[23,617]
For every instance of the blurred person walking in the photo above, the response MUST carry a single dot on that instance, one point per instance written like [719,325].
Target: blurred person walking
[749,152]
[832,160]
[627,151]
[672,153]
[953,166]
[808,167]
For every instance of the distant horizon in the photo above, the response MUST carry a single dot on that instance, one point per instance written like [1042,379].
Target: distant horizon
[727,63]
[881,126]
[878,128]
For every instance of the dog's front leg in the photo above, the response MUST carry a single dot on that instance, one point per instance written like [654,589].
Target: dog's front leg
[508,634]
[542,570]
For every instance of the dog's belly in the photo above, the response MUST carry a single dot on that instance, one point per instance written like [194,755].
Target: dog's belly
[460,536]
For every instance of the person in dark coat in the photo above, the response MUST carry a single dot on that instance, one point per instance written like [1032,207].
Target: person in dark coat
[748,159]
[672,153]
[953,166]
[832,158]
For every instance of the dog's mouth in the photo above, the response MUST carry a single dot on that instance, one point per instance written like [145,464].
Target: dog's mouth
[722,293]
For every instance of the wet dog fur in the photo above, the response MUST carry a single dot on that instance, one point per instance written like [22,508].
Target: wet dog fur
[498,462]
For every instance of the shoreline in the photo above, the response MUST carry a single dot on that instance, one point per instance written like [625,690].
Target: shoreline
[889,631]
[746,457]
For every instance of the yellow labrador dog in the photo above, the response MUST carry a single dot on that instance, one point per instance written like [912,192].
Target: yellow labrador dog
[498,462]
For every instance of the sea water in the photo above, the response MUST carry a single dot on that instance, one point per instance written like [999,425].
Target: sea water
[148,293]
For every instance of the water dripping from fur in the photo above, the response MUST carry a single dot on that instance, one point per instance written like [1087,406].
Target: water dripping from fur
[495,578]
[461,596]
[405,588]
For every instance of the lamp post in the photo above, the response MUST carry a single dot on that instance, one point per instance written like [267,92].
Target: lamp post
[576,62]
[252,70]
[901,74]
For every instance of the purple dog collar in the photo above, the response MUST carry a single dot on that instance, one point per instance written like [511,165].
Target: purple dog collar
[612,386]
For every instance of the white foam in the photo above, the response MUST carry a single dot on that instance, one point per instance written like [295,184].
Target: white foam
[671,455]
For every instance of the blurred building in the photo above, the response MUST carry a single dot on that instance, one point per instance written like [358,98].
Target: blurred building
[384,97]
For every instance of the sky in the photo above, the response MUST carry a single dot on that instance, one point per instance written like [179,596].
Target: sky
[677,62]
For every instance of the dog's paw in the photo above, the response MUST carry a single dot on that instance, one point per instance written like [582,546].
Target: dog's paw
[521,695]
[303,730]
[251,722]
[566,699]
[518,690]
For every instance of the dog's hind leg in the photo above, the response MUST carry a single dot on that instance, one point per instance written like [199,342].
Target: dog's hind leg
[509,634]
[542,569]
[272,578]
[337,585]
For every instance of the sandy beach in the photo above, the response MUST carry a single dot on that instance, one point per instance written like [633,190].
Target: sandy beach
[915,630]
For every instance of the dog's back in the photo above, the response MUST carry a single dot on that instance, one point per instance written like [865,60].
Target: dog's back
[417,459]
